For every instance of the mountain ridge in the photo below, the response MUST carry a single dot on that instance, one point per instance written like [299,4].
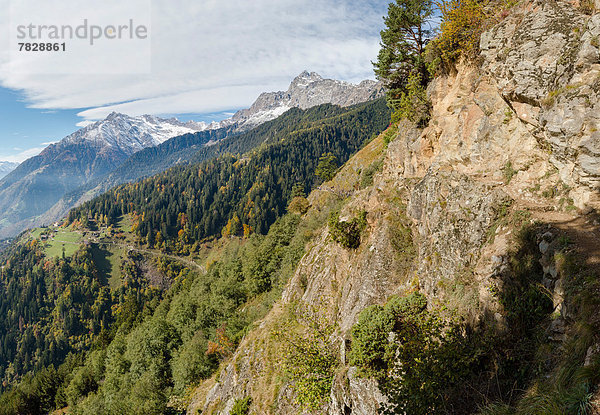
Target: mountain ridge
[6,167]
[84,157]
[91,152]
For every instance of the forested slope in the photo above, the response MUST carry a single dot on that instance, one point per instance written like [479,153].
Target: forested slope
[188,203]
[120,321]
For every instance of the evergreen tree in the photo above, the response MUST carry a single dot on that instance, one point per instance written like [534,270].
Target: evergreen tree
[327,167]
[408,29]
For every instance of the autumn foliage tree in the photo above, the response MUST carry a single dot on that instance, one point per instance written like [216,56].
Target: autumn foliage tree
[463,22]
[222,346]
[299,205]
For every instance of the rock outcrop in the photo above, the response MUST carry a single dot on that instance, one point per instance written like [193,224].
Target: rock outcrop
[545,61]
[307,90]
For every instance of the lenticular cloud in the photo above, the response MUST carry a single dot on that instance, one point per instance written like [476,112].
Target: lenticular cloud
[217,55]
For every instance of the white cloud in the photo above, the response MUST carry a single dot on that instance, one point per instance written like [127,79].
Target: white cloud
[84,123]
[23,155]
[203,101]
[215,55]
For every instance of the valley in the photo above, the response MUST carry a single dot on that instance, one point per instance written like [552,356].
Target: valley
[331,251]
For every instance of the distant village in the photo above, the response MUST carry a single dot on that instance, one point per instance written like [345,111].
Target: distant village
[49,233]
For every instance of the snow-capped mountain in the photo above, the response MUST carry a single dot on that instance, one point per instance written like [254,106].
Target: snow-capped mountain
[6,167]
[132,134]
[87,154]
[307,90]
[91,153]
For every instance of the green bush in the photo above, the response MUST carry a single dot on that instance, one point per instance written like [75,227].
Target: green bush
[414,104]
[508,172]
[347,233]
[370,341]
[241,406]
[416,357]
[390,134]
[310,360]
[299,205]
[192,363]
[401,238]
[366,179]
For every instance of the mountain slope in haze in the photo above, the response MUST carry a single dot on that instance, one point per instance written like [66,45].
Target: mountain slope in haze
[6,167]
[307,90]
[141,164]
[91,152]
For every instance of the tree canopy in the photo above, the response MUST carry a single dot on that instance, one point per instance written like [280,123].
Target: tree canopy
[408,29]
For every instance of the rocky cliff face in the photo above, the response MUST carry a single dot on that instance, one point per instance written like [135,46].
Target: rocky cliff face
[546,65]
[307,90]
[513,140]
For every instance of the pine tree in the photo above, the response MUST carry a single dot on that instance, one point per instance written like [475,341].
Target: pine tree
[408,29]
[327,167]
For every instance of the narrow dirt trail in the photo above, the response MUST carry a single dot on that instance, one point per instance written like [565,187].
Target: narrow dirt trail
[583,232]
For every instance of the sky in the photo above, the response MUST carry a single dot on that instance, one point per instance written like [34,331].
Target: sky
[200,60]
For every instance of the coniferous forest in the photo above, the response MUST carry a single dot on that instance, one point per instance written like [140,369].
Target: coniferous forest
[239,192]
[435,251]
[70,337]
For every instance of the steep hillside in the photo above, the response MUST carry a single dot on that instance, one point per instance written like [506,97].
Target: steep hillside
[144,163]
[190,148]
[74,295]
[489,213]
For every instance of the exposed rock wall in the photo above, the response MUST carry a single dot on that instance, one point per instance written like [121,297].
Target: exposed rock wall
[546,64]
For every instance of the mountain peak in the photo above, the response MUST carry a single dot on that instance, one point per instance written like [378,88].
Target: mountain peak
[305,79]
[311,75]
[307,90]
[113,115]
[129,134]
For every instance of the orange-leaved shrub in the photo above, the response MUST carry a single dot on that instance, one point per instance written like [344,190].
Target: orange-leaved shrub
[463,21]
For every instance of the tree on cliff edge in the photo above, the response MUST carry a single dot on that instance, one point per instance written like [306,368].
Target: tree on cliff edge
[408,29]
